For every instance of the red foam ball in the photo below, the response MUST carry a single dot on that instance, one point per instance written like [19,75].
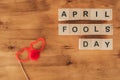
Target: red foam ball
[34,54]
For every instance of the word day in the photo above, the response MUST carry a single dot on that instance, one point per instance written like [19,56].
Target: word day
[84,14]
[85,29]
[95,44]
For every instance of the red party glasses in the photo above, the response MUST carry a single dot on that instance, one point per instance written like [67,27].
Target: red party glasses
[33,54]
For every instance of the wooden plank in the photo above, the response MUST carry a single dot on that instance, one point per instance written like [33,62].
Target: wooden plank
[61,54]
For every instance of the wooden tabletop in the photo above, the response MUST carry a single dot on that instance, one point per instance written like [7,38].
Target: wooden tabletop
[23,21]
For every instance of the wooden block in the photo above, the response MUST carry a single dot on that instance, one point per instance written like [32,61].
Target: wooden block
[63,14]
[75,14]
[63,29]
[107,29]
[107,44]
[108,14]
[97,29]
[95,44]
[75,29]
[85,44]
[85,14]
[97,14]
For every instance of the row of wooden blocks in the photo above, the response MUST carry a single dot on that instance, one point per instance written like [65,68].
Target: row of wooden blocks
[84,14]
[95,44]
[85,29]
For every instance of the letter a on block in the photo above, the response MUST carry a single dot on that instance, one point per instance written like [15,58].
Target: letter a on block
[63,14]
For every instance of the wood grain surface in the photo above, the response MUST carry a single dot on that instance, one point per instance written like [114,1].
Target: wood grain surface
[23,21]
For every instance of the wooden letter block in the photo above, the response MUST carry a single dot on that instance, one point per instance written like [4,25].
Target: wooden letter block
[85,14]
[63,29]
[95,44]
[85,44]
[96,29]
[107,29]
[107,44]
[63,14]
[75,14]
[75,29]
